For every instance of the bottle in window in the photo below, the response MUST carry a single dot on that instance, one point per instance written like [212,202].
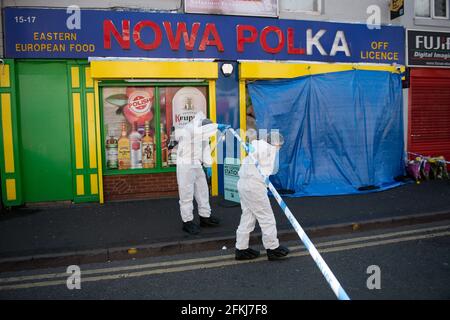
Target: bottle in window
[135,144]
[172,148]
[112,161]
[148,148]
[124,149]
[164,148]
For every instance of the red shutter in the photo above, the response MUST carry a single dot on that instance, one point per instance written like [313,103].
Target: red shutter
[429,112]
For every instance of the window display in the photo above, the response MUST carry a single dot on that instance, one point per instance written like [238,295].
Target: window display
[128,114]
[134,138]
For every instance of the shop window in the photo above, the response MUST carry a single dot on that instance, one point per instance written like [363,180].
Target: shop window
[422,8]
[139,123]
[436,9]
[304,6]
[440,9]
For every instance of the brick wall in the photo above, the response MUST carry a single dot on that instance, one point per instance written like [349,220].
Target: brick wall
[140,186]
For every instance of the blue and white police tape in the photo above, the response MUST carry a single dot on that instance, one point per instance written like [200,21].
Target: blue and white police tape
[219,140]
[321,264]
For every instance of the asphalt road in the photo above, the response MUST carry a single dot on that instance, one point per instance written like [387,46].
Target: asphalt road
[414,263]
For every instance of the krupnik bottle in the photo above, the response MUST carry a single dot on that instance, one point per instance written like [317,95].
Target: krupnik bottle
[135,146]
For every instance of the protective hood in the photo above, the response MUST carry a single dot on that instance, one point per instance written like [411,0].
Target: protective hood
[265,154]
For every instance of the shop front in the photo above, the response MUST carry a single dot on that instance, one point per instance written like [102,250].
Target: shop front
[429,94]
[138,117]
[88,114]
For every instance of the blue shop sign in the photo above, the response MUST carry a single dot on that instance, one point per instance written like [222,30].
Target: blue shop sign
[57,33]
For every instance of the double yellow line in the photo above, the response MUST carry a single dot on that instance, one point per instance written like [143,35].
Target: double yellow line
[116,273]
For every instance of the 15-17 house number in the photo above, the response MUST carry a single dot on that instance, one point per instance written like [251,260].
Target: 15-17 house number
[22,19]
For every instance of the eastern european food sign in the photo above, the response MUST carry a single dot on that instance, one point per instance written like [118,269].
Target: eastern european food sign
[56,33]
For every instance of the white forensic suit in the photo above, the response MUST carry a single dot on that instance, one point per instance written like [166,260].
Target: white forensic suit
[193,152]
[255,202]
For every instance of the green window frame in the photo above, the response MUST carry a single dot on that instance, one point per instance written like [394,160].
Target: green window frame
[157,85]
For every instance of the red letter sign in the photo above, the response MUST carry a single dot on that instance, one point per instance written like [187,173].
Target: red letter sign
[264,43]
[137,35]
[291,48]
[215,41]
[240,29]
[189,40]
[123,40]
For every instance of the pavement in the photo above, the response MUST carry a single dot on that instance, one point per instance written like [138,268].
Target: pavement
[37,237]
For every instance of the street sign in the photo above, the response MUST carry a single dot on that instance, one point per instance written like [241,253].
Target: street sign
[397,8]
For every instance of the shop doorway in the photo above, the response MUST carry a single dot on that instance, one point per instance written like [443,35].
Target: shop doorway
[44,118]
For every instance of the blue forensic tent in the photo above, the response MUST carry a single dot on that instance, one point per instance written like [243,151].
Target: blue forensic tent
[343,131]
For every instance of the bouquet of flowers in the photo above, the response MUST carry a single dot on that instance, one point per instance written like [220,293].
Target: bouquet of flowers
[438,168]
[425,168]
[415,168]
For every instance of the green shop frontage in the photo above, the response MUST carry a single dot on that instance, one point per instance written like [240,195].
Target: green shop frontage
[40,125]
[69,137]
[38,140]
[87,114]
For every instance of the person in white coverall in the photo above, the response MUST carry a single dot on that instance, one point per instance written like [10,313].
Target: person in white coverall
[193,153]
[255,202]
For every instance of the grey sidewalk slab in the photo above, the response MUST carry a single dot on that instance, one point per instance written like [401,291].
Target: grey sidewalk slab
[51,231]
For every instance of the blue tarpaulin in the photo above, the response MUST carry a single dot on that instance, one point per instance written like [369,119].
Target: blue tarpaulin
[343,131]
